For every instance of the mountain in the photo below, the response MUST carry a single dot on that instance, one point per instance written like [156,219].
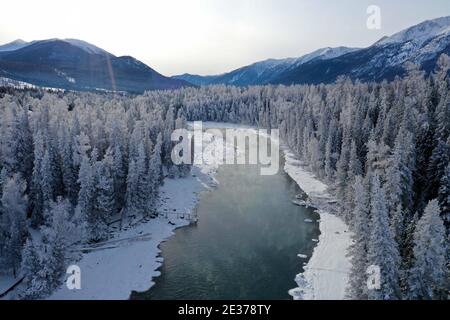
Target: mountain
[197,79]
[420,33]
[266,71]
[421,44]
[16,44]
[77,65]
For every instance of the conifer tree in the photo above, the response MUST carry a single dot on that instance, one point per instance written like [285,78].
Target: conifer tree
[382,249]
[358,250]
[427,274]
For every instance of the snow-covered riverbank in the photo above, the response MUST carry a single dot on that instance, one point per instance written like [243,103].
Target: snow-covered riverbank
[326,273]
[130,261]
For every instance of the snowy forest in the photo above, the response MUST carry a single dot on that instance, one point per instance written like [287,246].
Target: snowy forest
[72,163]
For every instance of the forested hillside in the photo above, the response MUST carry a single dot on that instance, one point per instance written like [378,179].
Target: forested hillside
[70,165]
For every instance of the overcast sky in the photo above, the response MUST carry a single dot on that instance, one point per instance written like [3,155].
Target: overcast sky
[211,36]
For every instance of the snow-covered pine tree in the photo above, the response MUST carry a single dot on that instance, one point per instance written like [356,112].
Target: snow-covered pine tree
[60,220]
[440,76]
[68,168]
[9,146]
[358,250]
[408,244]
[377,158]
[157,159]
[137,137]
[169,126]
[119,179]
[86,194]
[143,188]
[154,176]
[103,208]
[382,249]
[13,220]
[354,170]
[437,166]
[48,276]
[46,182]
[54,164]
[444,197]
[82,147]
[427,275]
[398,175]
[18,143]
[342,174]
[331,149]
[398,224]
[56,239]
[37,202]
[131,204]
[30,268]
[442,111]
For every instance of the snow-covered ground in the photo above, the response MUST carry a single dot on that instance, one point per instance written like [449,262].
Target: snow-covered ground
[326,273]
[130,260]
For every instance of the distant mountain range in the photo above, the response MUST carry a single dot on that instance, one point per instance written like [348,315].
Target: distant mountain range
[78,65]
[421,44]
[264,72]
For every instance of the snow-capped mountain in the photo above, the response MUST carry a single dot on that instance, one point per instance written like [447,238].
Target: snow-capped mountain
[19,44]
[266,71]
[421,44]
[418,43]
[325,53]
[420,33]
[14,45]
[78,65]
[89,48]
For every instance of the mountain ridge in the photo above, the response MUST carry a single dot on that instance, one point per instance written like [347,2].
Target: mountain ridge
[262,72]
[78,65]
[421,44]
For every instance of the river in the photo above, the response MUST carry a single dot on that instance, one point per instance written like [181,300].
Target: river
[245,244]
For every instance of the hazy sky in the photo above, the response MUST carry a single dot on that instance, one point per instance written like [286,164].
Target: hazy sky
[210,36]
